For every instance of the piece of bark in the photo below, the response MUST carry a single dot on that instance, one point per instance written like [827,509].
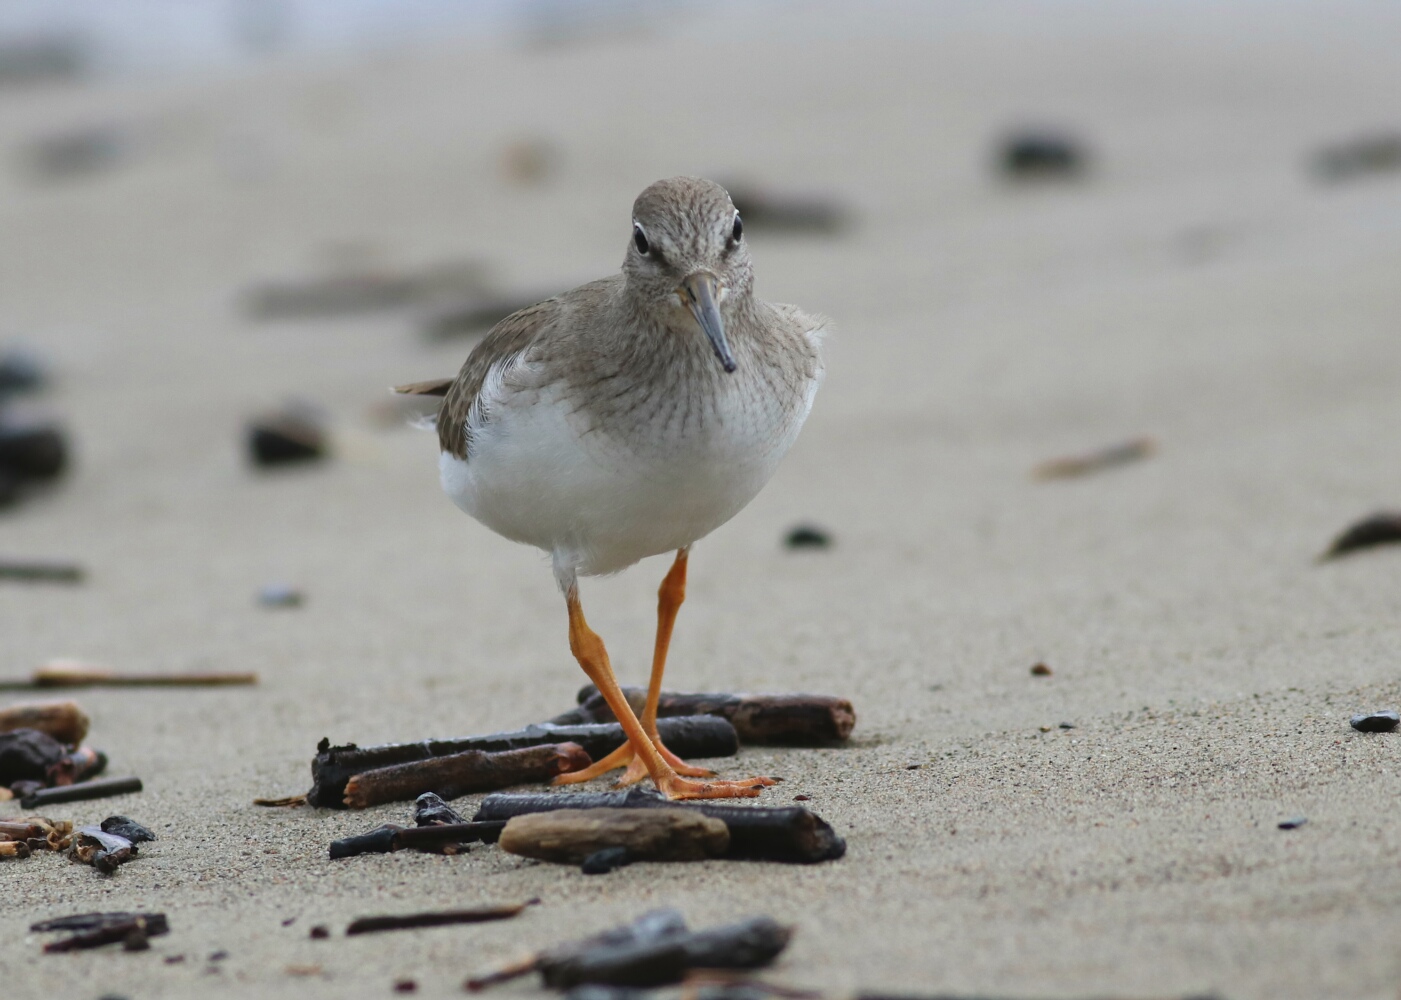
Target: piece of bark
[284,802]
[1381,528]
[21,830]
[63,720]
[129,929]
[749,944]
[99,788]
[14,849]
[772,719]
[380,840]
[789,834]
[64,673]
[437,918]
[40,572]
[571,835]
[654,925]
[460,774]
[332,767]
[1072,466]
[27,755]
[436,837]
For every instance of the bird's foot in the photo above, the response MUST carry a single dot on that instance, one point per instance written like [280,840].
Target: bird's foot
[677,787]
[636,771]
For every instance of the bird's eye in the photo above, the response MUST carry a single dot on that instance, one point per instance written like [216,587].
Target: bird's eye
[639,240]
[738,231]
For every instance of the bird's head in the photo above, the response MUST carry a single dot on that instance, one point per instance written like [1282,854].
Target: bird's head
[687,256]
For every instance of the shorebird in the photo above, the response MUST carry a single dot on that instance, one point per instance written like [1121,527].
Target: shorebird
[631,417]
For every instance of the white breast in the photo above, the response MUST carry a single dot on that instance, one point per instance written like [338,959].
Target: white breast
[538,474]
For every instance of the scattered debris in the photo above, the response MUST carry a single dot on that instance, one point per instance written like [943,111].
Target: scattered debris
[295,434]
[441,838]
[759,719]
[71,673]
[77,152]
[99,788]
[104,851]
[41,572]
[29,755]
[303,970]
[782,833]
[93,930]
[571,836]
[530,161]
[1294,823]
[1041,154]
[123,826]
[1381,528]
[763,208]
[654,950]
[32,451]
[62,720]
[1359,157]
[1040,670]
[607,860]
[319,932]
[438,918]
[357,289]
[1376,722]
[280,595]
[21,372]
[281,803]
[429,809]
[1095,461]
[331,770]
[34,833]
[459,774]
[806,536]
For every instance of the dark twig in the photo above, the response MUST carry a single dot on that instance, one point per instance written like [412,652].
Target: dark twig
[481,914]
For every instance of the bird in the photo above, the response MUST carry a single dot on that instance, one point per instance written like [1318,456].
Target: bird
[628,418]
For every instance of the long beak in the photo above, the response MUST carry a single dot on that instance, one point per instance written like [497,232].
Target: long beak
[698,292]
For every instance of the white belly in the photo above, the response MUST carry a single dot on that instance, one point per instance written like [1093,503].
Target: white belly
[601,502]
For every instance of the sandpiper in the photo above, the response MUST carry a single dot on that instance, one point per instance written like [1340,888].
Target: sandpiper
[631,417]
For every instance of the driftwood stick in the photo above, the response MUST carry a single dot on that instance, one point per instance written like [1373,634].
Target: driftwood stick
[63,674]
[785,833]
[650,927]
[1381,528]
[380,840]
[461,773]
[750,944]
[1072,466]
[333,767]
[392,837]
[63,720]
[571,835]
[101,788]
[21,830]
[14,849]
[438,918]
[97,929]
[774,719]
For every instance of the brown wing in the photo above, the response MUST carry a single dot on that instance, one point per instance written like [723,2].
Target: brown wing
[432,387]
[506,341]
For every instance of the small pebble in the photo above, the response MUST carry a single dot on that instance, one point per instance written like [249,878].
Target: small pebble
[1293,824]
[1041,153]
[1041,670]
[806,536]
[296,435]
[320,931]
[1067,725]
[21,371]
[280,595]
[219,956]
[289,921]
[1376,722]
[405,986]
[604,861]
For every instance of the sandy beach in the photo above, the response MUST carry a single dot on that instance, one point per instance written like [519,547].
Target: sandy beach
[1199,284]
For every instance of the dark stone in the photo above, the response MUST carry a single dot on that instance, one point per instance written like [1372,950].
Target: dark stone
[807,536]
[285,438]
[128,828]
[429,809]
[280,595]
[32,450]
[405,986]
[604,861]
[320,932]
[1041,154]
[1294,823]
[1376,722]
[21,371]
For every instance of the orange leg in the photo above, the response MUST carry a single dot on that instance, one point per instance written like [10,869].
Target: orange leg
[589,650]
